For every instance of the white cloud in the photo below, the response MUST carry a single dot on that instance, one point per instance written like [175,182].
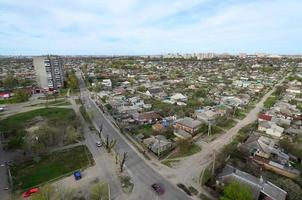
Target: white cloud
[158,26]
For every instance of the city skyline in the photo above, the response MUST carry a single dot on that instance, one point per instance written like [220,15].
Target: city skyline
[134,27]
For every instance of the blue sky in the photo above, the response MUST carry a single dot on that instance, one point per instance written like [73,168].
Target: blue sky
[121,27]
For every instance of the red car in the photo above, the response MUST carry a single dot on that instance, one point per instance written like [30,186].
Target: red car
[158,188]
[30,192]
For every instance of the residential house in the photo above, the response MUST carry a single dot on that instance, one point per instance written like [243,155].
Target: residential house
[146,117]
[293,90]
[233,101]
[188,124]
[264,117]
[282,169]
[158,144]
[159,127]
[179,133]
[270,128]
[107,84]
[178,97]
[156,92]
[128,110]
[264,147]
[206,115]
[260,188]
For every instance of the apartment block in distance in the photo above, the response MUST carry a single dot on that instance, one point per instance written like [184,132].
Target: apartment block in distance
[49,72]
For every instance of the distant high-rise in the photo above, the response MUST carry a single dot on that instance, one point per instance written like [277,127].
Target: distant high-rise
[49,72]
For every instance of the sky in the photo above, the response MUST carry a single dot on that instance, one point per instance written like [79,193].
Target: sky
[144,27]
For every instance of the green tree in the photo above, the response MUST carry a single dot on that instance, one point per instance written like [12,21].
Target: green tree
[21,96]
[71,134]
[9,82]
[72,81]
[236,191]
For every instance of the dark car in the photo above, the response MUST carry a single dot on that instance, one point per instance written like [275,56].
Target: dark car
[77,175]
[158,188]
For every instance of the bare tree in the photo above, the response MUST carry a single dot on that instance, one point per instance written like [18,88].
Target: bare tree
[116,158]
[125,156]
[109,144]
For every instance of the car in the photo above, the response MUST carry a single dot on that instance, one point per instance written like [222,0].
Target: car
[77,175]
[1,109]
[98,144]
[158,188]
[29,192]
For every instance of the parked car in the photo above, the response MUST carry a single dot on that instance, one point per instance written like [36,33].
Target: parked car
[1,109]
[158,188]
[98,144]
[29,192]
[77,175]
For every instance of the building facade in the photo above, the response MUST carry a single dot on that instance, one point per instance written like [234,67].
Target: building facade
[49,72]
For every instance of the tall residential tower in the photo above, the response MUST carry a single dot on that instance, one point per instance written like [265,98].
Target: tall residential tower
[49,72]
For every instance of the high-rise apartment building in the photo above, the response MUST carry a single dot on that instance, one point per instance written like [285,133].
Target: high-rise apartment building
[49,72]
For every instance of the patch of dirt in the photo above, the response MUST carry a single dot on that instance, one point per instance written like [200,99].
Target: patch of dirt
[35,124]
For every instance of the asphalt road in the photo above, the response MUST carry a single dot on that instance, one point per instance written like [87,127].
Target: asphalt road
[143,175]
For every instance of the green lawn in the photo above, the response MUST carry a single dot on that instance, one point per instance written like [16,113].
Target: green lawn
[52,166]
[192,149]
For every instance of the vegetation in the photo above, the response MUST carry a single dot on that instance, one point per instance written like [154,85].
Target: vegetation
[236,191]
[99,191]
[226,123]
[169,162]
[19,96]
[72,82]
[127,185]
[193,190]
[85,114]
[50,166]
[270,101]
[51,125]
[292,146]
[185,148]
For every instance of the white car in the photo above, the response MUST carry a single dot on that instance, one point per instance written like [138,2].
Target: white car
[98,144]
[1,109]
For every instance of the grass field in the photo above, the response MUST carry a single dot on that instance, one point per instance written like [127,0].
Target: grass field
[19,120]
[52,166]
[192,149]
[60,102]
[14,127]
[169,162]
[227,124]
